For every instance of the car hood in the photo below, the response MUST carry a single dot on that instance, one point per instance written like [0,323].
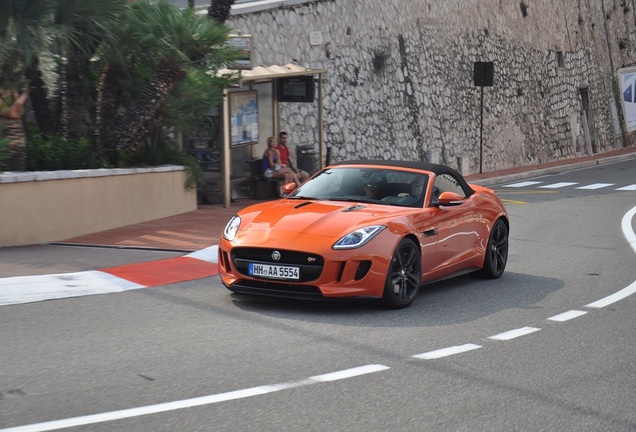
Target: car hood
[322,218]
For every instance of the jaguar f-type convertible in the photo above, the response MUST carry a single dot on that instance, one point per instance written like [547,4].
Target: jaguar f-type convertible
[368,229]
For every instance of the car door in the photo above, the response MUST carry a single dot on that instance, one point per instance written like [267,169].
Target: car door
[455,229]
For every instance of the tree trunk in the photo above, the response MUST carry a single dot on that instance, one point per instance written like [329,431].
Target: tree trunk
[39,100]
[76,97]
[14,130]
[132,127]
[220,10]
[108,102]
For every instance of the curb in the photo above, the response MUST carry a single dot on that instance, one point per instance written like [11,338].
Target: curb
[29,289]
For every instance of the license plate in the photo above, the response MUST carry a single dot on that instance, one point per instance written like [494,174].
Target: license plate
[274,271]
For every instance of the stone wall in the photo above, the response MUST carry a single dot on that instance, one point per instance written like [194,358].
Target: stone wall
[400,76]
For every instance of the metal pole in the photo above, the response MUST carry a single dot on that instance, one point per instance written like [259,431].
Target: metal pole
[321,139]
[226,163]
[481,132]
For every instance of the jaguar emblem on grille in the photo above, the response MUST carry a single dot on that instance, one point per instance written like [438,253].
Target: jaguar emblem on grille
[276,256]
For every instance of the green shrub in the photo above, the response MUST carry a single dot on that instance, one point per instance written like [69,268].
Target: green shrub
[4,150]
[161,151]
[53,152]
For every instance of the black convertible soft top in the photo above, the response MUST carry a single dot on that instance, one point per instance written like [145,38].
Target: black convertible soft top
[436,169]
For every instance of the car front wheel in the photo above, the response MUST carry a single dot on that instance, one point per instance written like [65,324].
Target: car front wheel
[403,277]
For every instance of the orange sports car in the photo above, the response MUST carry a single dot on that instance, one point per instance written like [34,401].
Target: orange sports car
[376,229]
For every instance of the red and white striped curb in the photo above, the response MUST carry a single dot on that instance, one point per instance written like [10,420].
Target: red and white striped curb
[27,289]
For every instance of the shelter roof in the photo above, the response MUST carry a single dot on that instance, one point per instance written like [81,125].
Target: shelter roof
[273,71]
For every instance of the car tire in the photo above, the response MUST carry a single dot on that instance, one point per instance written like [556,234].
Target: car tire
[403,276]
[496,252]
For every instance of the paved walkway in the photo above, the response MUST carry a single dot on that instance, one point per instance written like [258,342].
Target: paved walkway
[186,232]
[201,228]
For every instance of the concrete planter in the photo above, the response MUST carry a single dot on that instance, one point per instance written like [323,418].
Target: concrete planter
[41,207]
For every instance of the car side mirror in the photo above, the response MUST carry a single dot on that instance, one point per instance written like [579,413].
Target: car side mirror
[449,199]
[288,188]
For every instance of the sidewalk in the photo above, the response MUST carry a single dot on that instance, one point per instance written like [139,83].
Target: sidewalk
[201,228]
[186,232]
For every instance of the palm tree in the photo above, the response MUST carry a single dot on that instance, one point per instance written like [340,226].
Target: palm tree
[61,103]
[219,10]
[24,31]
[82,25]
[157,48]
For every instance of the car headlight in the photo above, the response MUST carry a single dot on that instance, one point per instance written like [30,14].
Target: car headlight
[358,238]
[232,228]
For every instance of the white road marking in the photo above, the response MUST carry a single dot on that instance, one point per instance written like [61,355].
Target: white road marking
[566,316]
[445,352]
[26,289]
[620,295]
[522,184]
[209,254]
[557,185]
[349,373]
[593,186]
[596,186]
[627,188]
[188,403]
[630,236]
[514,333]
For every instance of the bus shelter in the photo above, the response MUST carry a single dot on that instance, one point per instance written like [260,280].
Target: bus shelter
[260,90]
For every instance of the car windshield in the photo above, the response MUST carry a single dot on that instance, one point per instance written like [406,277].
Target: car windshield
[365,184]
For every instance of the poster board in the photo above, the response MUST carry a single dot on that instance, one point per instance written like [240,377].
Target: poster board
[243,44]
[627,83]
[243,118]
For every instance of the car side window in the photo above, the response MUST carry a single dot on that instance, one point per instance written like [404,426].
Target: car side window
[446,183]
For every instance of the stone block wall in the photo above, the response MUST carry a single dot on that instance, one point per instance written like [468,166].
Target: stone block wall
[400,76]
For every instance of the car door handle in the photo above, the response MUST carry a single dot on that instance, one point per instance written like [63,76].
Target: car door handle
[431,232]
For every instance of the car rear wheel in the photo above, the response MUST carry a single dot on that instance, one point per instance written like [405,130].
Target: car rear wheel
[496,252]
[403,277]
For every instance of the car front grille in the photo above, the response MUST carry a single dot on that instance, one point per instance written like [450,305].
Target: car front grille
[310,265]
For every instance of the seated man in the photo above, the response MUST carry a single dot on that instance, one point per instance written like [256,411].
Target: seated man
[285,158]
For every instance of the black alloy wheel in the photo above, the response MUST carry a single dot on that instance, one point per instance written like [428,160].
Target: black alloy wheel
[496,252]
[404,276]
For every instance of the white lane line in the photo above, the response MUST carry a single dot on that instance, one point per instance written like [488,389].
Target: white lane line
[349,373]
[627,188]
[566,316]
[188,403]
[514,333]
[26,289]
[620,295]
[630,236]
[596,186]
[557,185]
[522,184]
[445,352]
[626,227]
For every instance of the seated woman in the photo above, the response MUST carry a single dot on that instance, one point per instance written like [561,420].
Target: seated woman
[272,168]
